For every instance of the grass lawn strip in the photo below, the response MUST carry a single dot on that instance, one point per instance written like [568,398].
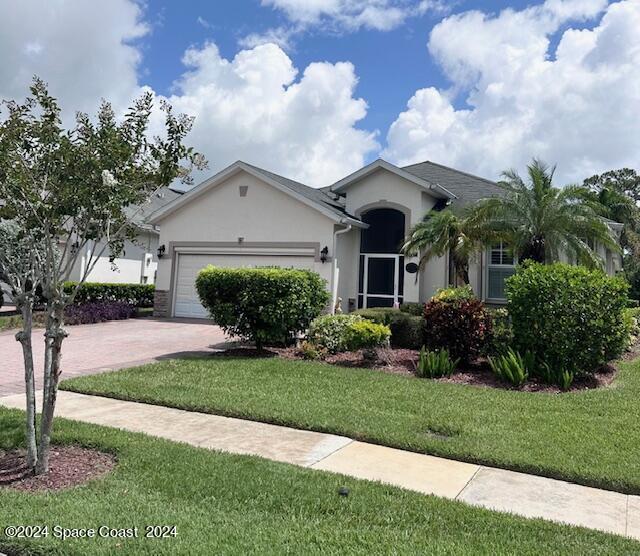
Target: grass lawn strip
[226,504]
[589,437]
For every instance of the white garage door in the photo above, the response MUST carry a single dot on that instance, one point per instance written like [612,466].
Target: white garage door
[187,303]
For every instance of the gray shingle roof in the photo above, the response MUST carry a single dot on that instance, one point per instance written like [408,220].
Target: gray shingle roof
[466,187]
[162,197]
[320,196]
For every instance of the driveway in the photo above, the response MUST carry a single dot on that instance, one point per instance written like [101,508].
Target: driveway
[95,348]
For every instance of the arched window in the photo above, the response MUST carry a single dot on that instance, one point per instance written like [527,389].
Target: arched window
[385,232]
[381,274]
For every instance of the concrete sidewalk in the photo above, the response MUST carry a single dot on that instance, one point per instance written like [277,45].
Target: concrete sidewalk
[497,489]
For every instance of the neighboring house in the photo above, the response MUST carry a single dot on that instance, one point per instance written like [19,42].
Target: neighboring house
[138,262]
[350,233]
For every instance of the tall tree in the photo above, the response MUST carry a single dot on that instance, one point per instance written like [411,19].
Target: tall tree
[64,188]
[442,232]
[541,221]
[617,194]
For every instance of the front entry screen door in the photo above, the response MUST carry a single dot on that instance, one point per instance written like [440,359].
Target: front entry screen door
[381,278]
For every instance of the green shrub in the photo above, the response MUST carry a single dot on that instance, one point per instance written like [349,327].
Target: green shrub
[365,334]
[510,367]
[461,326]
[310,351]
[329,331]
[137,295]
[501,332]
[435,364]
[412,308]
[263,305]
[454,294]
[407,331]
[570,317]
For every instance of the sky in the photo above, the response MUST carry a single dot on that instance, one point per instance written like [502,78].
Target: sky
[315,89]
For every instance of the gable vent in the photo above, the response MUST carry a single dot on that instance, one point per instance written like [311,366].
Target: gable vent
[243,190]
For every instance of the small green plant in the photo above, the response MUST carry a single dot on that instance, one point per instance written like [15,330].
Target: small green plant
[561,377]
[365,334]
[435,364]
[511,367]
[310,351]
[463,293]
[565,379]
[329,332]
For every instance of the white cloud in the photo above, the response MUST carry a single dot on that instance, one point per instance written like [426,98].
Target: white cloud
[577,108]
[82,49]
[280,36]
[253,107]
[203,22]
[339,16]
[257,109]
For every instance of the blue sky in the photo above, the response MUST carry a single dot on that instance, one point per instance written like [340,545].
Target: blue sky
[315,89]
[390,65]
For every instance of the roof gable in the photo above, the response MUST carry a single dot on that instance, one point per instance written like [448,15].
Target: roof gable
[309,196]
[433,188]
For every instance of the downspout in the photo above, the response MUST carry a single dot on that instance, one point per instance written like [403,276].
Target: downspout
[335,271]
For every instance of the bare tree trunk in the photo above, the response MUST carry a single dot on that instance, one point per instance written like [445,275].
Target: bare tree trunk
[54,337]
[24,337]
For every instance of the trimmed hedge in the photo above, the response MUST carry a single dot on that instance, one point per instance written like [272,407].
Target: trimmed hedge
[136,295]
[571,318]
[458,324]
[263,305]
[407,330]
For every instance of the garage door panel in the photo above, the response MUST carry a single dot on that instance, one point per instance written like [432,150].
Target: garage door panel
[187,303]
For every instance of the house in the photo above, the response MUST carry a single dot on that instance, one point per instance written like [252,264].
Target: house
[137,264]
[350,233]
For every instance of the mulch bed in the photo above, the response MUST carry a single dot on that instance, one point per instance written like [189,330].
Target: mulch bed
[69,466]
[404,361]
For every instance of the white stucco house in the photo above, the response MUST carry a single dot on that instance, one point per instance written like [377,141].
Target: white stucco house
[138,262]
[349,233]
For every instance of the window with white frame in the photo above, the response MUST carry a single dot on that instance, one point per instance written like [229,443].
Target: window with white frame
[501,265]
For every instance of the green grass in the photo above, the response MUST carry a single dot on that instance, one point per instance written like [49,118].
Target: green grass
[590,437]
[226,504]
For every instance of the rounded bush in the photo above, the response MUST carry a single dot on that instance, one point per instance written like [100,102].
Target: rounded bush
[365,334]
[569,317]
[458,324]
[263,305]
[329,332]
[406,329]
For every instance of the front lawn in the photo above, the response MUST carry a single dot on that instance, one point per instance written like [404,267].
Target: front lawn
[589,437]
[226,504]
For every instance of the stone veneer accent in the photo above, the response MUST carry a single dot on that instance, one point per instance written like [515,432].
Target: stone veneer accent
[161,303]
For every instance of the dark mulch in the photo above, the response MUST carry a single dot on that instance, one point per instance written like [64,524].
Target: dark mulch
[478,373]
[69,466]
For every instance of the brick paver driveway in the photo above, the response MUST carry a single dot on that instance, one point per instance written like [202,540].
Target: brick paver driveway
[95,348]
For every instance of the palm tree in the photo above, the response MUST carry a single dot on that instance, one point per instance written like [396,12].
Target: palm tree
[540,221]
[612,203]
[443,232]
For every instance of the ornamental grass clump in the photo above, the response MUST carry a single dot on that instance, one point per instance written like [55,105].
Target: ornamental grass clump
[435,364]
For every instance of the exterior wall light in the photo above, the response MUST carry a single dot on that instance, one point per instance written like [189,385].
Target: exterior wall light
[161,251]
[324,254]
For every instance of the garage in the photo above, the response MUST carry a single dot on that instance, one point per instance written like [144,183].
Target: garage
[186,301]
